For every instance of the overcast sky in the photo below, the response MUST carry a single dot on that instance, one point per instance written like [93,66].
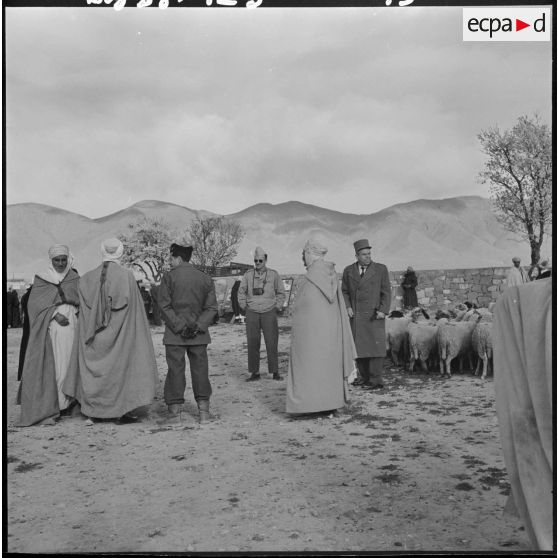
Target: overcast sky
[219,109]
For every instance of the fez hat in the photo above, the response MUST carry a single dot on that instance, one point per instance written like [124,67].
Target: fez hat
[360,244]
[185,252]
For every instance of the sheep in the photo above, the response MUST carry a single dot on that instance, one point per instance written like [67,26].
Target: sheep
[481,340]
[460,312]
[454,339]
[422,339]
[441,314]
[397,338]
[396,314]
[485,315]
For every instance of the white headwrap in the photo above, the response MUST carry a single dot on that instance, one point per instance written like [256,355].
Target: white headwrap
[51,275]
[112,249]
[315,248]
[58,250]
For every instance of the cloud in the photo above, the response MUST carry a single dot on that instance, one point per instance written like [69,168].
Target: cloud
[352,109]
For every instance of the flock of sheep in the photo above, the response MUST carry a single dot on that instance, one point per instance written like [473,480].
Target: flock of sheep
[464,333]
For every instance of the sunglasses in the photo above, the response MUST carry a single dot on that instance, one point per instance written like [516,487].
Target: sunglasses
[258,261]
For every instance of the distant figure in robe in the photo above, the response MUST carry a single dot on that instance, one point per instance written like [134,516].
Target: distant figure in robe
[25,334]
[409,286]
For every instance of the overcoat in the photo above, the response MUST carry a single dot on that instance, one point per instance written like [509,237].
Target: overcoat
[366,296]
[186,298]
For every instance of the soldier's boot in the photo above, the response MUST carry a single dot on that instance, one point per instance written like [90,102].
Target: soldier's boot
[203,407]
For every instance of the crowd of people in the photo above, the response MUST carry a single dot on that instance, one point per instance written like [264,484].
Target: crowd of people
[87,348]
[518,276]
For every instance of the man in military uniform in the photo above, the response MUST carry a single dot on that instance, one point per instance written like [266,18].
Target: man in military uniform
[367,292]
[188,306]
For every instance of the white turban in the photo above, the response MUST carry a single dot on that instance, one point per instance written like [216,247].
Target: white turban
[315,248]
[51,275]
[112,249]
[58,250]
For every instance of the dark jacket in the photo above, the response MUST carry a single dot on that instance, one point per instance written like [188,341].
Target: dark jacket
[186,298]
[367,296]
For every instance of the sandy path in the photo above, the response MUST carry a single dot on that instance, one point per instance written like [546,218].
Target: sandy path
[417,467]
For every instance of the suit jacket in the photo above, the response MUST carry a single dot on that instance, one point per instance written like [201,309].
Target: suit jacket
[366,296]
[186,297]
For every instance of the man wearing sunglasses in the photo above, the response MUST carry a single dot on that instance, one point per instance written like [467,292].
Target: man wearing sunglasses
[261,294]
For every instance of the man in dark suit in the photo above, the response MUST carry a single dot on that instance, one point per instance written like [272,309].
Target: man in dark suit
[367,292]
[188,307]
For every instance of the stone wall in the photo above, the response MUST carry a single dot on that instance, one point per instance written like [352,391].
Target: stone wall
[439,288]
[443,288]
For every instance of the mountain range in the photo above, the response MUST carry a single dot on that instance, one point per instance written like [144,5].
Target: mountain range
[460,232]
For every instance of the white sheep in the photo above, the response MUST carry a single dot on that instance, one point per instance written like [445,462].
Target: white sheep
[481,341]
[485,315]
[460,312]
[397,338]
[423,340]
[454,339]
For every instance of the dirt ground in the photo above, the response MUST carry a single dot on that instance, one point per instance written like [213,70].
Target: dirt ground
[417,466]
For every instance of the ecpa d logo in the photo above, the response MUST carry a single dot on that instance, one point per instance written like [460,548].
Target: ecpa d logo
[506,24]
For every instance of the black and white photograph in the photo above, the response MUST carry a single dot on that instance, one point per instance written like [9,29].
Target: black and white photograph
[279,277]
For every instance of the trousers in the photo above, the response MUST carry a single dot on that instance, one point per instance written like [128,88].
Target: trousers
[175,382]
[256,323]
[371,369]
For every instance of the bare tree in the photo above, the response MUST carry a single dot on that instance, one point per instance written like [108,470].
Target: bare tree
[519,172]
[146,247]
[215,241]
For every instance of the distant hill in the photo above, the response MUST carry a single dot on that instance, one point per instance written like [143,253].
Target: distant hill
[457,232]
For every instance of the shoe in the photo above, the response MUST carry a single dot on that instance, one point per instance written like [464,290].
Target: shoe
[76,410]
[358,382]
[127,418]
[253,377]
[376,386]
[277,377]
[174,409]
[367,386]
[203,407]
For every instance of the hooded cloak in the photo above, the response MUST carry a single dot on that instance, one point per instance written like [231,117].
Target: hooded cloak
[322,347]
[51,352]
[117,369]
